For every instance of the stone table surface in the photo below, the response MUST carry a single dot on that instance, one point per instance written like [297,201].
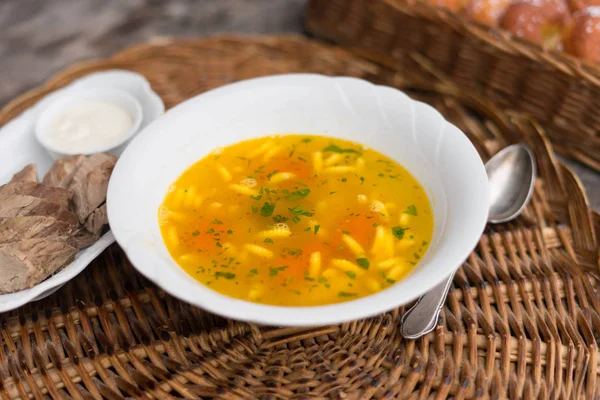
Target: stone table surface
[40,37]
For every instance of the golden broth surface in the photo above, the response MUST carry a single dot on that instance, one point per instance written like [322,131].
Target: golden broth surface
[296,220]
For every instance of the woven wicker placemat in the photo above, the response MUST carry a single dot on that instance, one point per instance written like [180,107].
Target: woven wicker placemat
[521,321]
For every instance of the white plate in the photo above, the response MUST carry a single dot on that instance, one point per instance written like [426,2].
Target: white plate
[18,147]
[438,154]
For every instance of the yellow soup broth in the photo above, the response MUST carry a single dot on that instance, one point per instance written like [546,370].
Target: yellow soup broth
[296,220]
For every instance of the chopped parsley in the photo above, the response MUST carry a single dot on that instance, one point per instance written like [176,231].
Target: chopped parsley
[273,271]
[316,228]
[363,263]
[299,211]
[196,233]
[347,294]
[229,231]
[306,140]
[268,240]
[337,149]
[398,231]
[298,194]
[267,209]
[216,221]
[293,252]
[351,274]
[411,210]
[257,198]
[279,218]
[226,275]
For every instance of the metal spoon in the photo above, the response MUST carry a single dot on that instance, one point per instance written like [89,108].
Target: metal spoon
[511,174]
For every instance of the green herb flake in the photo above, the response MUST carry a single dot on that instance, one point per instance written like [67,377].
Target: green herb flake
[257,198]
[273,271]
[416,256]
[211,230]
[316,228]
[351,274]
[398,231]
[229,231]
[363,263]
[306,140]
[308,278]
[337,149]
[254,271]
[298,194]
[390,281]
[307,229]
[294,252]
[254,209]
[424,243]
[296,219]
[219,244]
[279,218]
[344,179]
[299,211]
[267,209]
[362,180]
[268,240]
[411,210]
[216,221]
[332,192]
[226,275]
[347,294]
[346,233]
[196,233]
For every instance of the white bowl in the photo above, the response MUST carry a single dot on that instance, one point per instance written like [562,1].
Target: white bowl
[438,154]
[110,95]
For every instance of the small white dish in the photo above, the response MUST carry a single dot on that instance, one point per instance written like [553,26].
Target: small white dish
[19,147]
[120,98]
[438,154]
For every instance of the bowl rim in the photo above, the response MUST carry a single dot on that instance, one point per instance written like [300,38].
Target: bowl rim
[71,96]
[237,309]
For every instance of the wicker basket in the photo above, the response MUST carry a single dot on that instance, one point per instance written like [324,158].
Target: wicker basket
[560,91]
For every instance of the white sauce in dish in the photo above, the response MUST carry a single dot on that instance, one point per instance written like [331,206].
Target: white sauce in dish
[88,126]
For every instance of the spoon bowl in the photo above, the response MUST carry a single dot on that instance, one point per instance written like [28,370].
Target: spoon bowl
[511,174]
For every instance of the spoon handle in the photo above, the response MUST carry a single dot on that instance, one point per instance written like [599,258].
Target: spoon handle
[421,318]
